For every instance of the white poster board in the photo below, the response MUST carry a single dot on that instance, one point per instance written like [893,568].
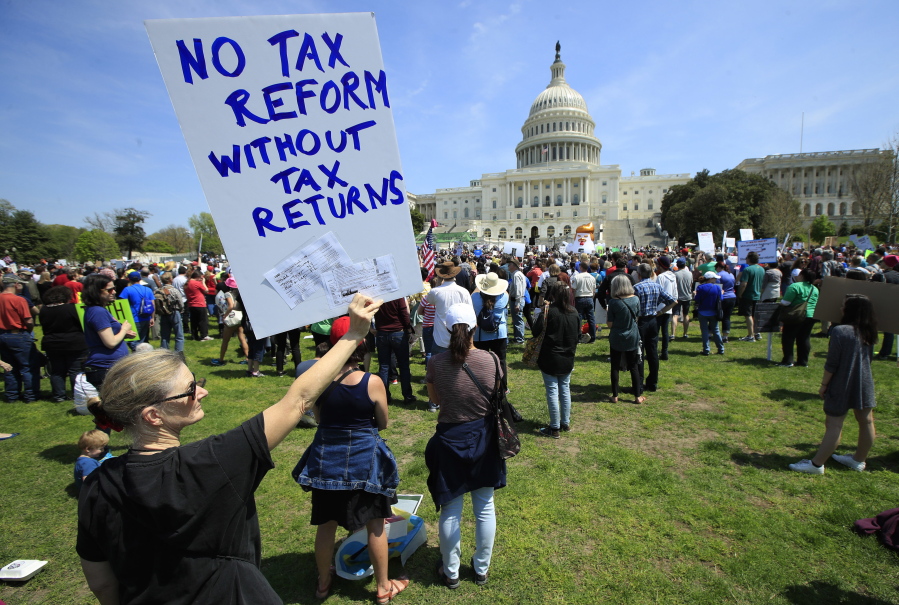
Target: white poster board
[514,248]
[745,234]
[766,248]
[288,122]
[864,243]
[706,241]
[730,242]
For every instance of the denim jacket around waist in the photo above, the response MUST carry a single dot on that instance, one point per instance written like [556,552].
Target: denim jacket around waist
[348,459]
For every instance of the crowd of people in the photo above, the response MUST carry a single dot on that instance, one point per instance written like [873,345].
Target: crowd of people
[471,309]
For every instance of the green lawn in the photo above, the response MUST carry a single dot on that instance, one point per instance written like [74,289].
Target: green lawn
[685,499]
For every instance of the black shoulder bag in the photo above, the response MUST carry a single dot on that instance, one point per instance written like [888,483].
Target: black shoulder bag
[506,416]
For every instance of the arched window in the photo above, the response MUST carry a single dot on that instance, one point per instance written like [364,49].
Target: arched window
[520,202]
[455,214]
[554,126]
[843,208]
[558,200]
[518,232]
[605,198]
[487,234]
[649,204]
[550,231]
[502,233]
[819,208]
[535,231]
[575,200]
[807,211]
[536,202]
[494,205]
[624,207]
[636,206]
[566,230]
[546,201]
[831,209]
[466,213]
[446,215]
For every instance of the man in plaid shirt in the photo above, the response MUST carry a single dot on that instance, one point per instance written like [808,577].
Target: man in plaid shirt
[651,295]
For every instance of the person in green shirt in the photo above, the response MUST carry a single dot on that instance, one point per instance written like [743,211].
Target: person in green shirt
[800,291]
[750,292]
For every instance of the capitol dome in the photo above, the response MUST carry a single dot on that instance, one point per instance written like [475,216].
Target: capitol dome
[559,127]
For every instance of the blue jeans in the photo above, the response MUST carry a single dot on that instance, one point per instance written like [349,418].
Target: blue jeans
[167,325]
[484,531]
[143,333]
[396,343]
[517,319]
[709,325]
[15,349]
[427,335]
[558,395]
[584,306]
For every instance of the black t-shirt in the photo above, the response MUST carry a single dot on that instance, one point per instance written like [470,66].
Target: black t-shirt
[62,329]
[181,526]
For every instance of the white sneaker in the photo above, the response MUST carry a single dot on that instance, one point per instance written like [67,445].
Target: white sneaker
[849,461]
[806,466]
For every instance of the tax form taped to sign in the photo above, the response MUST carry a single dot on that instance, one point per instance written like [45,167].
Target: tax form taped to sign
[288,123]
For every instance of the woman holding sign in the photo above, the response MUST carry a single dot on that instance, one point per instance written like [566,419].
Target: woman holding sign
[173,523]
[847,384]
[104,336]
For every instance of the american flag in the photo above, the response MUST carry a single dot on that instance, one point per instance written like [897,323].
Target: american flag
[427,251]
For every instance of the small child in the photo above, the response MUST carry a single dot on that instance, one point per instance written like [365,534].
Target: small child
[93,448]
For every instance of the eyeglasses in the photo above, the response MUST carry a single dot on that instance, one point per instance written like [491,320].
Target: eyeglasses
[111,289]
[191,391]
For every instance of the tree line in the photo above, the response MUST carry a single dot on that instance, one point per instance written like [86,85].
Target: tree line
[105,235]
[734,199]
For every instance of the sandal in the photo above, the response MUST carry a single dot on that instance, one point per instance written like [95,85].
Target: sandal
[613,399]
[639,399]
[322,593]
[402,582]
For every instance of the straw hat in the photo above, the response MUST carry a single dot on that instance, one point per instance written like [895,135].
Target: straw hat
[491,284]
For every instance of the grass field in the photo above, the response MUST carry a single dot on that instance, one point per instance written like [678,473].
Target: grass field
[684,499]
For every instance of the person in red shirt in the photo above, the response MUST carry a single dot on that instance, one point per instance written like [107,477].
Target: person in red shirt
[16,340]
[195,291]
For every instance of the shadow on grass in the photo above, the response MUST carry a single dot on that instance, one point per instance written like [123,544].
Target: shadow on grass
[64,453]
[817,592]
[785,394]
[589,392]
[771,461]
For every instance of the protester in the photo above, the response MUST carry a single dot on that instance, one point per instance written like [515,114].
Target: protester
[560,327]
[624,335]
[63,341]
[463,455]
[347,450]
[651,296]
[708,303]
[443,297]
[847,384]
[143,306]
[228,300]
[749,293]
[666,279]
[584,286]
[169,308]
[171,523]
[195,291]
[394,327]
[800,291]
[728,297]
[889,266]
[491,308]
[681,310]
[517,291]
[16,341]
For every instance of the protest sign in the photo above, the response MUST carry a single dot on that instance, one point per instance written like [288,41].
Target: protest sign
[514,248]
[832,241]
[288,122]
[883,296]
[765,317]
[854,239]
[120,310]
[766,249]
[724,241]
[706,241]
[730,242]
[798,245]
[746,234]
[864,243]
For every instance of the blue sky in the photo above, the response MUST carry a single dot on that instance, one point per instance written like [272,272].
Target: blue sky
[86,124]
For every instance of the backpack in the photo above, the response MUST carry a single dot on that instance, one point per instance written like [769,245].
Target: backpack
[836,268]
[489,320]
[165,304]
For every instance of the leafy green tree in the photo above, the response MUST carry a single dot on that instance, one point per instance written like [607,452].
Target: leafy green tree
[178,237]
[821,228]
[20,230]
[727,201]
[128,231]
[61,243]
[95,245]
[203,225]
[418,221]
[155,245]
[844,229]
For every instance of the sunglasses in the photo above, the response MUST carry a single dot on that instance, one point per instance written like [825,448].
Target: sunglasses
[191,391]
[110,289]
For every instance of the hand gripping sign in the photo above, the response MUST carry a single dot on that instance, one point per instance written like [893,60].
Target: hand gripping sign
[288,123]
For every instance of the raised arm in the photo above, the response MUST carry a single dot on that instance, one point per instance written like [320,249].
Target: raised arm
[282,417]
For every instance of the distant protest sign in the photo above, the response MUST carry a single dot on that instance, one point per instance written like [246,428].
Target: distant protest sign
[706,241]
[288,122]
[864,243]
[514,248]
[883,297]
[121,312]
[766,249]
[746,234]
[730,242]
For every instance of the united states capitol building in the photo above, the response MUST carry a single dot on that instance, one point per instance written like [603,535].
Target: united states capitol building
[560,183]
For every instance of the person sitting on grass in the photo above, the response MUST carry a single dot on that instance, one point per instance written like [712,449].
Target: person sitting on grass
[847,384]
[93,447]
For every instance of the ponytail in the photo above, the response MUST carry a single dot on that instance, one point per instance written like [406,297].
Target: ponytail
[460,342]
